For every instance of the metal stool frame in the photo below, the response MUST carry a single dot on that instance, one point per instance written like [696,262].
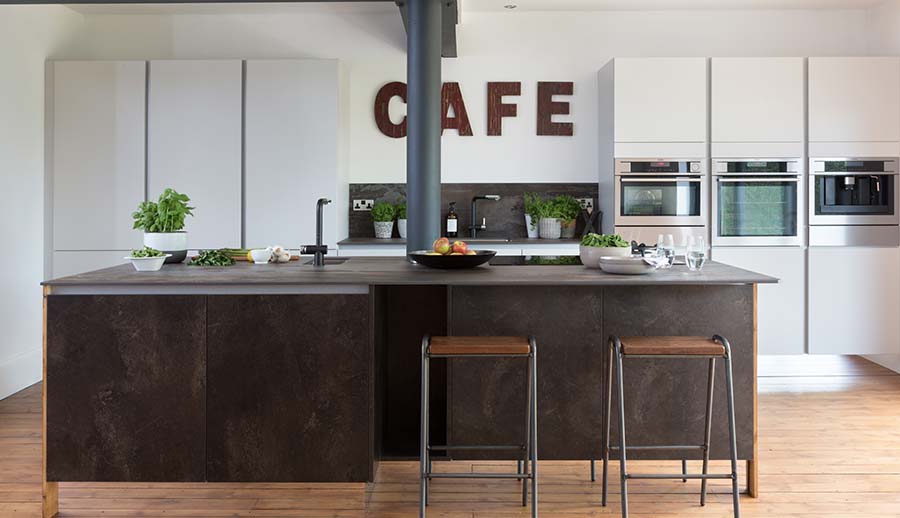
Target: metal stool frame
[616,358]
[527,467]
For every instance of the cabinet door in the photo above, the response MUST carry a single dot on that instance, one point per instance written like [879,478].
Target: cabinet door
[854,99]
[291,151]
[854,301]
[97,156]
[194,144]
[757,99]
[660,100]
[781,308]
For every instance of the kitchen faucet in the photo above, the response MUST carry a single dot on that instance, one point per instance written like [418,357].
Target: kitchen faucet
[318,250]
[474,228]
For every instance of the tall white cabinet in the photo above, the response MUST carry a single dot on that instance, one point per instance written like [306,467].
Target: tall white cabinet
[194,144]
[96,161]
[292,152]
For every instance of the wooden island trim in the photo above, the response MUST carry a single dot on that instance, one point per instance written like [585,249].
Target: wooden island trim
[49,490]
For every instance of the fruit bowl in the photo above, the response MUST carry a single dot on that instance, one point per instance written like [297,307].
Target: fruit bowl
[451,262]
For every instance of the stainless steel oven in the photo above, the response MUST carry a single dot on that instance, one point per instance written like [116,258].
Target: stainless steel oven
[660,193]
[853,201]
[757,202]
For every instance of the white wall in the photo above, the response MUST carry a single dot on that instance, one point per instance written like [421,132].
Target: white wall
[525,47]
[28,34]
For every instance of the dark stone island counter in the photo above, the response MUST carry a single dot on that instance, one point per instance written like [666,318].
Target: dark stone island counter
[288,373]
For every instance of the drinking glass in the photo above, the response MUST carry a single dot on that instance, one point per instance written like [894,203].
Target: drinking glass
[665,244]
[695,255]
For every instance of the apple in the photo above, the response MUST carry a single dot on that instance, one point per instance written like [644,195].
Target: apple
[441,245]
[460,247]
[471,252]
[456,253]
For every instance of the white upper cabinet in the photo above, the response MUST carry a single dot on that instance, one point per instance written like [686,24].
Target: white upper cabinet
[854,99]
[757,100]
[660,100]
[292,117]
[194,144]
[97,158]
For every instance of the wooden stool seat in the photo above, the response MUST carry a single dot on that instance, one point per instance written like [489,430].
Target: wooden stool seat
[671,346]
[478,345]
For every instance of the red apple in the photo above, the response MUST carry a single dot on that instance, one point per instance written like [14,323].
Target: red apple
[460,247]
[441,246]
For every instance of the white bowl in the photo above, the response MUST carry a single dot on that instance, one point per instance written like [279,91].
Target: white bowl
[261,255]
[590,255]
[148,264]
[625,265]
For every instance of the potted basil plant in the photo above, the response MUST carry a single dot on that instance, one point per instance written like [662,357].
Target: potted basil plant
[163,224]
[400,209]
[569,209]
[532,203]
[383,215]
[551,215]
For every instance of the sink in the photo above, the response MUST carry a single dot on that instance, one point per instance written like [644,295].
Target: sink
[330,260]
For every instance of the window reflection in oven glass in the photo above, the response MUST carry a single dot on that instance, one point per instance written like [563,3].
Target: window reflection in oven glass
[757,208]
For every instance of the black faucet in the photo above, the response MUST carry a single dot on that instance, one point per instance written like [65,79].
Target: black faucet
[474,228]
[318,250]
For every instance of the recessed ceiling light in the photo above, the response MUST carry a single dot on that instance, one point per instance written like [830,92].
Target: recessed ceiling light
[510,6]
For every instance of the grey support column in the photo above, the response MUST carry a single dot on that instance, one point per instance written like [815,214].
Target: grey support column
[423,142]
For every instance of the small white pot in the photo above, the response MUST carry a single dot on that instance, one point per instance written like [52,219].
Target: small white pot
[532,230]
[550,228]
[384,229]
[401,228]
[148,264]
[174,243]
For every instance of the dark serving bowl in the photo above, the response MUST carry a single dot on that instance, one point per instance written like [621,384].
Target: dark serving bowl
[452,262]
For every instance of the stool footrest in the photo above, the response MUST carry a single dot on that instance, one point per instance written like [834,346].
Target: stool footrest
[664,447]
[479,475]
[679,476]
[447,447]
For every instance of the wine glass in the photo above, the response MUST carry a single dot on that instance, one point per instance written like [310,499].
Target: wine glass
[665,245]
[695,254]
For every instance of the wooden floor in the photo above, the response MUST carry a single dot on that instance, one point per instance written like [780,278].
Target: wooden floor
[829,447]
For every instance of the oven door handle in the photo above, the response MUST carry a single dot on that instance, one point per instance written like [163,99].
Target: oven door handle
[760,180]
[657,180]
[854,173]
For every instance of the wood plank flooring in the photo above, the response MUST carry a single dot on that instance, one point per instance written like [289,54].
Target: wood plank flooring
[829,447]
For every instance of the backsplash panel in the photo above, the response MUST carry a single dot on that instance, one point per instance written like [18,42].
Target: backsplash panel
[504,217]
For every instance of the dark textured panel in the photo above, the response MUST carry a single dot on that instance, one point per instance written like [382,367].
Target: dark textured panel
[411,312]
[125,388]
[505,217]
[665,399]
[289,388]
[487,396]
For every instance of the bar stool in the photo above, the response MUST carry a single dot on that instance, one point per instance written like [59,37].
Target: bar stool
[482,347]
[669,347]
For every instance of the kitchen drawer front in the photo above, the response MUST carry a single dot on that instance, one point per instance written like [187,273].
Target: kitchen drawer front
[289,388]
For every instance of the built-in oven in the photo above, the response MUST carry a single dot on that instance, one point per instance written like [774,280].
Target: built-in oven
[853,201]
[660,193]
[757,202]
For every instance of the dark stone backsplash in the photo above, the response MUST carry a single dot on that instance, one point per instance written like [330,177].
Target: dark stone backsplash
[504,217]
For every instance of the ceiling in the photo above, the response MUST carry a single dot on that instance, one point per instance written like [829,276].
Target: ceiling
[658,5]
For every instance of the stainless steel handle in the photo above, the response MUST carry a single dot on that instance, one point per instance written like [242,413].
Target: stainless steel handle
[657,180]
[760,180]
[855,173]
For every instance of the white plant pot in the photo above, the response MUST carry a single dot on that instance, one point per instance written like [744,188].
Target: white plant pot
[174,243]
[401,228]
[532,230]
[550,228]
[384,229]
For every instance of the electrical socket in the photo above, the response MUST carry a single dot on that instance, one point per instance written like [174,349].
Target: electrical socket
[586,203]
[363,205]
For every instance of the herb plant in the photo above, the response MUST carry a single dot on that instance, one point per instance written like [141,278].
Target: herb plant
[400,210]
[567,207]
[146,252]
[167,214]
[212,258]
[383,212]
[604,241]
[533,205]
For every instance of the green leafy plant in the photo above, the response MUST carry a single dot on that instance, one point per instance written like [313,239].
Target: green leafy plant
[533,205]
[567,207]
[383,212]
[212,258]
[604,241]
[400,210]
[146,252]
[167,214]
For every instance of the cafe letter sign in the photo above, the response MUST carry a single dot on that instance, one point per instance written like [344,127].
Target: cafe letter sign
[497,108]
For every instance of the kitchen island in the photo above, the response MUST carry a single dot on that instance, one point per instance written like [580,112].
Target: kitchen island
[292,373]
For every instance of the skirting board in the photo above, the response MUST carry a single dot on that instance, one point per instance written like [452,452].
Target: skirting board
[19,372]
[888,361]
